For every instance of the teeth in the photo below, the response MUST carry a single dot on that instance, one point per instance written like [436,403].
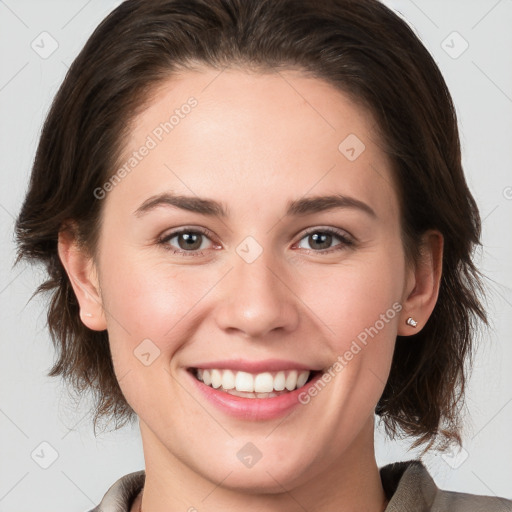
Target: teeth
[301,379]
[291,380]
[228,379]
[207,377]
[261,385]
[280,381]
[244,382]
[216,379]
[264,383]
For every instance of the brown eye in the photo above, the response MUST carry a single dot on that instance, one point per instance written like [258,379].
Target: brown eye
[320,240]
[190,241]
[325,241]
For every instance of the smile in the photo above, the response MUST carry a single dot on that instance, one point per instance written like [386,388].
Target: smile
[253,385]
[252,390]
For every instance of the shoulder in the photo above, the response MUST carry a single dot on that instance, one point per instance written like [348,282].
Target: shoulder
[121,494]
[409,487]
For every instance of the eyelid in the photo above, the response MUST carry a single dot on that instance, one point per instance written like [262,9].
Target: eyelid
[328,229]
[186,229]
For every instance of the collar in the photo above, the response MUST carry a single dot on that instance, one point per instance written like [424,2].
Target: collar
[408,486]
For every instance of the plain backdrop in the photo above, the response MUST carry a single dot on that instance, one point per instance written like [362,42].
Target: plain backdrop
[50,459]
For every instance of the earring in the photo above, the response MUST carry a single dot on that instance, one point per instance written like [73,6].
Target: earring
[410,321]
[89,315]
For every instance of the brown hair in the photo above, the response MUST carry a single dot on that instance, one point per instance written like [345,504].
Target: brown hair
[359,46]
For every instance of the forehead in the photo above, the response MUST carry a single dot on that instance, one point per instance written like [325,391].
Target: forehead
[241,133]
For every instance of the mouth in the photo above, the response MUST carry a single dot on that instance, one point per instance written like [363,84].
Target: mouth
[264,385]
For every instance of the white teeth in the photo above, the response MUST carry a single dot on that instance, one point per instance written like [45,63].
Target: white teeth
[280,381]
[301,379]
[264,383]
[244,382]
[261,385]
[207,378]
[228,379]
[291,380]
[216,379]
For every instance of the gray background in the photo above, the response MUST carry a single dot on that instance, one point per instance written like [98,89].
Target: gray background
[34,409]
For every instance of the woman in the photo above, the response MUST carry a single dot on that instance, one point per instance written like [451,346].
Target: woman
[258,234]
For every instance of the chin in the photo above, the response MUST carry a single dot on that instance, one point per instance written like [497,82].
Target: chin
[260,481]
[271,474]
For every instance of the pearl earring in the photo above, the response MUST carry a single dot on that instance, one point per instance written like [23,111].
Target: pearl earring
[410,321]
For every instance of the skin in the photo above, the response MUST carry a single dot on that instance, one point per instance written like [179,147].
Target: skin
[254,142]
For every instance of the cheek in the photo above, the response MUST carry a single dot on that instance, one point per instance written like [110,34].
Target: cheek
[152,313]
[145,301]
[356,300]
[358,304]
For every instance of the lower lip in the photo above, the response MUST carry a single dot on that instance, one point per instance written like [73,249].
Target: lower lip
[253,409]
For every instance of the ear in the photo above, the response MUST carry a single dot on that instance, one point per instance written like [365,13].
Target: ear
[83,276]
[422,284]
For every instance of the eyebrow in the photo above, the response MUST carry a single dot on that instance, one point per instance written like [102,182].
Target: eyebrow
[303,206]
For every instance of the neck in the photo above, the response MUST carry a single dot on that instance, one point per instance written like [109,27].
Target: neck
[350,484]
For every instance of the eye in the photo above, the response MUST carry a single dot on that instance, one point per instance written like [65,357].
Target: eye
[320,240]
[186,241]
[191,242]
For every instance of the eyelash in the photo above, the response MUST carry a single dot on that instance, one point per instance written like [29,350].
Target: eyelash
[345,240]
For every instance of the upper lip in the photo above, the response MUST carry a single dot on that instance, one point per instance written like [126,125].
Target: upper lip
[268,365]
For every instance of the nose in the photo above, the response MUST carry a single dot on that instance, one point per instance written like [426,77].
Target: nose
[257,300]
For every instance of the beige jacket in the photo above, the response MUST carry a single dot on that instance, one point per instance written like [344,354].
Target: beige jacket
[408,486]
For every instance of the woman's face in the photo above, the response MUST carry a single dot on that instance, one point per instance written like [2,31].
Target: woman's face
[266,281]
